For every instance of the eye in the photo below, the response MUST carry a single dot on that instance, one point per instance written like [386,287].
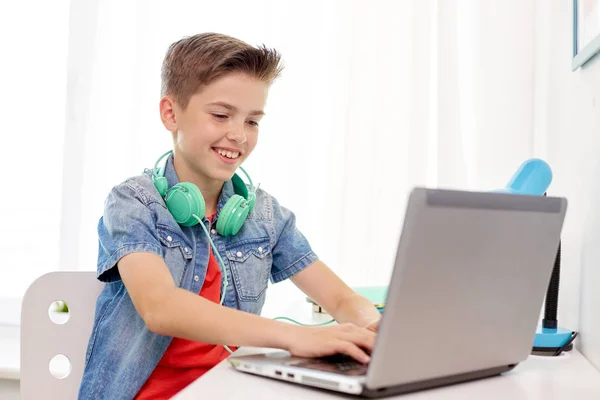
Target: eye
[220,116]
[253,123]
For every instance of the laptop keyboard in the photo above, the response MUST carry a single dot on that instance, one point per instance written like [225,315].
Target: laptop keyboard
[339,364]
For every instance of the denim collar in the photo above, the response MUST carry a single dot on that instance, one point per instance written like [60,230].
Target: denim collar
[172,179]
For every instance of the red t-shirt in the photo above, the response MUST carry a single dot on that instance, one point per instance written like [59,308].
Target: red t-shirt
[185,360]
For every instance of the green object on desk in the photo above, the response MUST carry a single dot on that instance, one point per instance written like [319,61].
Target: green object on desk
[377,295]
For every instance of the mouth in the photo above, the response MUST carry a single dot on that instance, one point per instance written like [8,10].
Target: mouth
[228,156]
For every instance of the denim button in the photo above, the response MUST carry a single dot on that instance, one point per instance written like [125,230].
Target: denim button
[196,278]
[260,249]
[169,239]
[213,231]
[239,254]
[187,250]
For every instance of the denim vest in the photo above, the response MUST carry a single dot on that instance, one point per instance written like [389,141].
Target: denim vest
[122,352]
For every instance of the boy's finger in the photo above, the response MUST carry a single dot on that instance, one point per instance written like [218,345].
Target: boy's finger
[363,338]
[353,351]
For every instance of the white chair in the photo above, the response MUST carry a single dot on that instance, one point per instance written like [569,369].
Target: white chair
[42,339]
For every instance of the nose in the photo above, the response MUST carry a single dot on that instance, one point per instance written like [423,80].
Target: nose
[237,133]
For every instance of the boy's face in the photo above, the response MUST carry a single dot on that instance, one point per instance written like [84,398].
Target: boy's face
[218,129]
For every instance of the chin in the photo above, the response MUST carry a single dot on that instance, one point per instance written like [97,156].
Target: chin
[222,176]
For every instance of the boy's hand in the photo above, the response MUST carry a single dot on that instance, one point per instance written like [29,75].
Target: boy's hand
[373,325]
[346,339]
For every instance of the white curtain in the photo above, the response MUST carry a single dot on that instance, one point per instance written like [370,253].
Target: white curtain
[33,76]
[376,97]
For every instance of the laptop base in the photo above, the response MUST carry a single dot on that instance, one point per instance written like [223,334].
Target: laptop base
[434,383]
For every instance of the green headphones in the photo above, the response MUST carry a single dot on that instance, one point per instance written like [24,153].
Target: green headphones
[185,202]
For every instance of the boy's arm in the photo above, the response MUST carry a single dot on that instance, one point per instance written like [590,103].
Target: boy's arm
[171,311]
[323,286]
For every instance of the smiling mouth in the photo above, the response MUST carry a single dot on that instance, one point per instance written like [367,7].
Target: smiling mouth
[232,155]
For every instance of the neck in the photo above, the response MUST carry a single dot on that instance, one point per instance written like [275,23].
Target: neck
[210,188]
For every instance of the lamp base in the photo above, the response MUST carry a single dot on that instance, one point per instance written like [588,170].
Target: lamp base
[549,341]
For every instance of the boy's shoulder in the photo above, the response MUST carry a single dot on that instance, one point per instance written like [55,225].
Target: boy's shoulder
[138,187]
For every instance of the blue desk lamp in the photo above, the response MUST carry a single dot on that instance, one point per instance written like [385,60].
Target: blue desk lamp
[533,178]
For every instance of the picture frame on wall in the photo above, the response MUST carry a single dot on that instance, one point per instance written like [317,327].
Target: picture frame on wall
[586,31]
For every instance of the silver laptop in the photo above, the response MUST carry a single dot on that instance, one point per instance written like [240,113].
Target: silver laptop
[464,299]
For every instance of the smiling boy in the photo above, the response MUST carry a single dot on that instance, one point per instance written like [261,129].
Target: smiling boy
[159,321]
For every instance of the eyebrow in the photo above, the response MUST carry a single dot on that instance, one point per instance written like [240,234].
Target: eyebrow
[233,108]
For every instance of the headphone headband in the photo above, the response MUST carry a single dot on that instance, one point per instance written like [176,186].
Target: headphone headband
[162,170]
[252,188]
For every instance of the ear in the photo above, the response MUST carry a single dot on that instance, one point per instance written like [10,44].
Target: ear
[167,113]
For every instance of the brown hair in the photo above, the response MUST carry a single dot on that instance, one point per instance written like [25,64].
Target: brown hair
[197,60]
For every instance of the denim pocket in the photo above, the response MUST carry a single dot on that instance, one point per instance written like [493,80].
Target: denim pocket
[176,251]
[250,262]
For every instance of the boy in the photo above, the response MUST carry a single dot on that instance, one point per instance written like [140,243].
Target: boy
[158,323]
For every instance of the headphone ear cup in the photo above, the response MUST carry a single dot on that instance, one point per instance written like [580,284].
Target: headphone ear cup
[240,188]
[233,215]
[161,185]
[184,200]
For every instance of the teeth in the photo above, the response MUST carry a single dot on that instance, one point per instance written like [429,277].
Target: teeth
[228,154]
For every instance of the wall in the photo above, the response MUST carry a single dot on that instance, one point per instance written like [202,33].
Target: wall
[567,132]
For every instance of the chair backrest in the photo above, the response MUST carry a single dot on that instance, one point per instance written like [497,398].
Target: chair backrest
[42,339]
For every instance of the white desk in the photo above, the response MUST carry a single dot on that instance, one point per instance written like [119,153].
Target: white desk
[569,376]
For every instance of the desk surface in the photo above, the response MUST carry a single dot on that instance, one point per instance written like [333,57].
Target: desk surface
[569,376]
